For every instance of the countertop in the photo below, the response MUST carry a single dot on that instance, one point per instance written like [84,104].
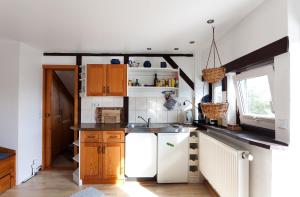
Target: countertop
[127,127]
[6,153]
[245,136]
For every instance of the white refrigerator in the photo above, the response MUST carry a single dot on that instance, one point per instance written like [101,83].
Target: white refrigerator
[173,158]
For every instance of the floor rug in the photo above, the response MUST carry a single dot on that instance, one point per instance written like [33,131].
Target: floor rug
[89,192]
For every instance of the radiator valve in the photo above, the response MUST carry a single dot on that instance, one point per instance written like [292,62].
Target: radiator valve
[247,155]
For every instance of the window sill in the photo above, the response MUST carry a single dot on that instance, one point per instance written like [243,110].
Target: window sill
[244,136]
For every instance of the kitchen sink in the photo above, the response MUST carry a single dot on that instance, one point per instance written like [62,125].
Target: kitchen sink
[155,127]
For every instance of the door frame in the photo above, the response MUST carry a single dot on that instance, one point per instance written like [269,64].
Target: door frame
[46,142]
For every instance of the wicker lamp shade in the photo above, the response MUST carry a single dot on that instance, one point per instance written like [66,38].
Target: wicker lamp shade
[214,111]
[213,75]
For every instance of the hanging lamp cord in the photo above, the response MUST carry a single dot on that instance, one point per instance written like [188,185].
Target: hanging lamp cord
[214,48]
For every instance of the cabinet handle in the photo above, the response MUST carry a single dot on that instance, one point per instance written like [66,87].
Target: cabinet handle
[107,89]
[113,136]
[103,149]
[103,89]
[99,151]
[91,136]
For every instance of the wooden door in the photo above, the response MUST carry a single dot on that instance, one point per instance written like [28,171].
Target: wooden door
[90,160]
[116,80]
[96,80]
[56,114]
[113,161]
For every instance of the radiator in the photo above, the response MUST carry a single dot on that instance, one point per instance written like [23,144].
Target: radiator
[223,167]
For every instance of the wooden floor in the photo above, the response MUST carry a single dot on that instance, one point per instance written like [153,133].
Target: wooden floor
[59,184]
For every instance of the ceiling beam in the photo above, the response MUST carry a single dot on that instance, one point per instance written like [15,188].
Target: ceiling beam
[121,54]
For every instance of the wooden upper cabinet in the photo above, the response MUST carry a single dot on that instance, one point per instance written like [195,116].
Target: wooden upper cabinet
[90,160]
[106,80]
[113,161]
[116,79]
[96,80]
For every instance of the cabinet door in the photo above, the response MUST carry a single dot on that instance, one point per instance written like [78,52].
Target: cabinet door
[116,80]
[96,79]
[113,161]
[90,160]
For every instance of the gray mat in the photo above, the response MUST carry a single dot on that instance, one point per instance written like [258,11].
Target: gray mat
[89,192]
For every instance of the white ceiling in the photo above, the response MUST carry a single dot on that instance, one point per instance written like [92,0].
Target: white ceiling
[118,25]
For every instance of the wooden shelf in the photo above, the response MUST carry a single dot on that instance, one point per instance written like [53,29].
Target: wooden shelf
[76,158]
[76,143]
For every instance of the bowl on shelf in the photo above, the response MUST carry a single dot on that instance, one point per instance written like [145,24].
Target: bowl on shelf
[147,64]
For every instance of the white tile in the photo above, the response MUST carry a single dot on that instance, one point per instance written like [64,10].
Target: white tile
[107,101]
[142,113]
[141,103]
[132,103]
[118,101]
[151,103]
[131,118]
[160,104]
[86,116]
[161,116]
[152,114]
[172,116]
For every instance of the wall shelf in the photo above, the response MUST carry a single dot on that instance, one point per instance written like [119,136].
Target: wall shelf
[76,158]
[145,76]
[76,143]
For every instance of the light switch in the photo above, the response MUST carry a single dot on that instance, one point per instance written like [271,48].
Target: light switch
[283,124]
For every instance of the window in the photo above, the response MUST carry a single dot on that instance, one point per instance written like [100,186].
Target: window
[217,92]
[254,92]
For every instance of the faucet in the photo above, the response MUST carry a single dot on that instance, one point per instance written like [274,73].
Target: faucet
[147,122]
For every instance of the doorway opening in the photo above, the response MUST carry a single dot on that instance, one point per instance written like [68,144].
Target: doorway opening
[60,112]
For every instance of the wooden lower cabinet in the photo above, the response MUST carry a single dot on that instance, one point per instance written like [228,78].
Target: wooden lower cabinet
[101,162]
[113,161]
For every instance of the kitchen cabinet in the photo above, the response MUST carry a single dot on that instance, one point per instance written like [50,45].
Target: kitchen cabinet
[90,160]
[113,161]
[101,156]
[116,80]
[96,80]
[106,80]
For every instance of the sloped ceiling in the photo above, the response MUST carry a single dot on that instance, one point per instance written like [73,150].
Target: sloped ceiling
[118,25]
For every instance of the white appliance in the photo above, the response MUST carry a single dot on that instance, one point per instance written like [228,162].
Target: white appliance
[173,157]
[141,155]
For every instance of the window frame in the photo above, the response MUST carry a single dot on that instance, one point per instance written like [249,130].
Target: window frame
[261,121]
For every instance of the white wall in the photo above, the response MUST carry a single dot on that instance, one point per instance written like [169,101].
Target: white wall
[21,94]
[264,25]
[30,110]
[9,55]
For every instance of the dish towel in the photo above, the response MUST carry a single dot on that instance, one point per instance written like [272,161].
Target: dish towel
[89,192]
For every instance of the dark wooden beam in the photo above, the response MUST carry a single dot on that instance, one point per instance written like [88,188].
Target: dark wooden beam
[119,54]
[79,63]
[181,72]
[126,59]
[265,53]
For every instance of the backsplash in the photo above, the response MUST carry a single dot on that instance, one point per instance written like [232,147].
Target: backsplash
[154,108]
[89,105]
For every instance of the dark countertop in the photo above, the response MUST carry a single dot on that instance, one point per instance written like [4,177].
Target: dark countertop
[100,127]
[6,153]
[154,128]
[244,136]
